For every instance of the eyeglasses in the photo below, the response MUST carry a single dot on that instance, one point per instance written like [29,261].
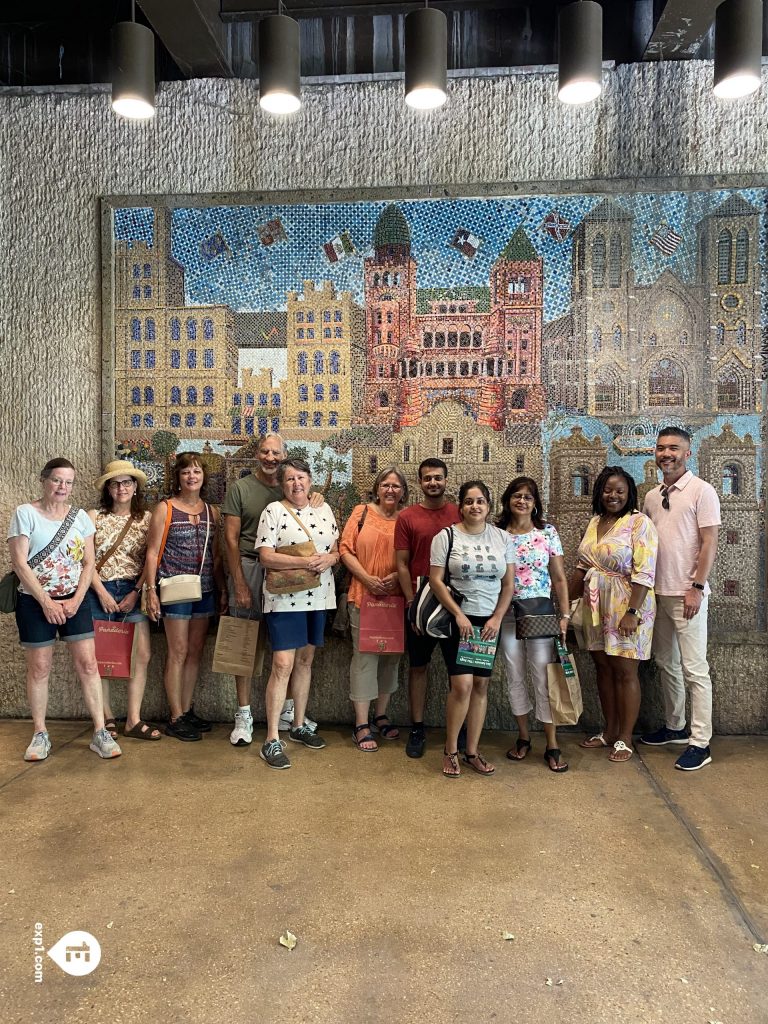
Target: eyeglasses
[665,498]
[118,484]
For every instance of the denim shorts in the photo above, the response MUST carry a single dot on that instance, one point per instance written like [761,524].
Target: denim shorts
[36,631]
[118,589]
[205,608]
[288,631]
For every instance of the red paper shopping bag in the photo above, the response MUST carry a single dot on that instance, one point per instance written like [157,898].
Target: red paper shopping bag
[114,644]
[382,625]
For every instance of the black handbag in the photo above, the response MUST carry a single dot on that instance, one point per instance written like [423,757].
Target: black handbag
[535,617]
[9,584]
[426,615]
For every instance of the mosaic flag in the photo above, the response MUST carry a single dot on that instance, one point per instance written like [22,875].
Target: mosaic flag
[339,247]
[665,239]
[271,232]
[556,226]
[466,243]
[214,246]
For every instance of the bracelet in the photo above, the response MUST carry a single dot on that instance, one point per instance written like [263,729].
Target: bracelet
[564,616]
[136,590]
[150,586]
[698,586]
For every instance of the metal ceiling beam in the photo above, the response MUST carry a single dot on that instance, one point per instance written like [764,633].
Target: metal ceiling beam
[254,10]
[680,30]
[193,33]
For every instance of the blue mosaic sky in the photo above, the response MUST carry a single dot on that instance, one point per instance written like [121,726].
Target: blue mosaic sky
[250,275]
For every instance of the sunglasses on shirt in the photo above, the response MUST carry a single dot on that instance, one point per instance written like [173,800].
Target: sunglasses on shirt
[665,498]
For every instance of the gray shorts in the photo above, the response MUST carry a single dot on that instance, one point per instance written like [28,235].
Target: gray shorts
[254,577]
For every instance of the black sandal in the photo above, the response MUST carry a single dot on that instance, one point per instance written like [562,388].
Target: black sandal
[520,744]
[554,755]
[364,739]
[388,731]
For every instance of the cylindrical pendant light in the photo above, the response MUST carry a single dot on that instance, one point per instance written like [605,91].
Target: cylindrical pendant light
[279,64]
[426,58]
[580,47]
[738,48]
[133,70]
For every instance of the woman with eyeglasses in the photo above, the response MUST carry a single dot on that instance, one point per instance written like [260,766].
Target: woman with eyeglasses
[122,525]
[614,576]
[368,552]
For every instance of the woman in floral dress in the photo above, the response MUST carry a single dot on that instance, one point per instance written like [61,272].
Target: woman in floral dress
[538,570]
[615,576]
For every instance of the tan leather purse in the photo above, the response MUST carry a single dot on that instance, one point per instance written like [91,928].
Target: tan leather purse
[291,581]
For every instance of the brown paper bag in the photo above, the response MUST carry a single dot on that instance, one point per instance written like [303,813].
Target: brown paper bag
[564,690]
[236,642]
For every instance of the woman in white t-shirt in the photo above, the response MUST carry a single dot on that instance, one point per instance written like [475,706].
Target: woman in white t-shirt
[51,548]
[481,566]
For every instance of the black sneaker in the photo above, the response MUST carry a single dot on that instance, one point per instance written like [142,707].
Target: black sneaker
[182,729]
[201,724]
[417,741]
[693,759]
[663,736]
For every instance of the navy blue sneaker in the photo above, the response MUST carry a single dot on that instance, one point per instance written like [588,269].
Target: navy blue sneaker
[693,759]
[663,736]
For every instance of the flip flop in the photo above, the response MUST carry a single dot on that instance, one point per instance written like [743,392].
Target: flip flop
[553,754]
[520,746]
[364,739]
[111,726]
[620,747]
[143,731]
[594,741]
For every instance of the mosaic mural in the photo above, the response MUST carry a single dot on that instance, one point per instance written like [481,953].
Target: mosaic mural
[544,335]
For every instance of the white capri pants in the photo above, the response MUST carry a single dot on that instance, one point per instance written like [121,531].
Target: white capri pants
[536,655]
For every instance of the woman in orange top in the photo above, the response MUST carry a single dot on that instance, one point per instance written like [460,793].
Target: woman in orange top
[368,552]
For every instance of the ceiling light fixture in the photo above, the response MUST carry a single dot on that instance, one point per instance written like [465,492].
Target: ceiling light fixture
[279,64]
[738,48]
[426,58]
[133,69]
[580,52]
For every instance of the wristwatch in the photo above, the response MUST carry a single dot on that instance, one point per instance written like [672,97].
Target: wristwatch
[137,590]
[633,611]
[697,586]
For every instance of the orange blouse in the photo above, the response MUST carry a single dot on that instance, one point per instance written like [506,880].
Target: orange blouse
[373,547]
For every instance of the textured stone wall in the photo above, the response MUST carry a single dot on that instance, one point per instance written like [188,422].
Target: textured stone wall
[61,151]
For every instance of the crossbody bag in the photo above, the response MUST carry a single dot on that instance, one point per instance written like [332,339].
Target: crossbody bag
[186,586]
[292,581]
[426,614]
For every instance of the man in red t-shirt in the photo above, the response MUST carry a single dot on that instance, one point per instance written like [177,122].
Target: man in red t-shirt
[415,529]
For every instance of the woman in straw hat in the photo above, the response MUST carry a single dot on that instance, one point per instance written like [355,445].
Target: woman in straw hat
[122,524]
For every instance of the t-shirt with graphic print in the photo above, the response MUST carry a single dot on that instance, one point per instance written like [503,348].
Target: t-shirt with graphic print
[533,551]
[477,565]
[59,573]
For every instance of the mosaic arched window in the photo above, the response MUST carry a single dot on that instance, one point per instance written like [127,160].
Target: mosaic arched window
[318,361]
[684,339]
[301,362]
[276,401]
[191,330]
[149,327]
[136,396]
[477,339]
[731,480]
[724,247]
[720,334]
[147,270]
[376,280]
[175,329]
[136,270]
[464,339]
[303,393]
[175,419]
[439,339]
[666,384]
[617,339]
[190,420]
[580,482]
[135,329]
[518,399]
[208,328]
[149,396]
[319,393]
[728,390]
[486,452]
[741,333]
[614,262]
[326,316]
[176,396]
[597,338]
[334,393]
[191,396]
[598,262]
[208,420]
[742,256]
[149,420]
[207,396]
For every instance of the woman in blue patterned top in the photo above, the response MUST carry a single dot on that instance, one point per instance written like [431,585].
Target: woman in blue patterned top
[538,568]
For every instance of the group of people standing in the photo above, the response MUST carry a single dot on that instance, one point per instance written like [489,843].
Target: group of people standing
[639,574]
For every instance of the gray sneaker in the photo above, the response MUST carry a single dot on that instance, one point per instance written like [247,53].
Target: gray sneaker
[103,745]
[305,735]
[39,748]
[272,753]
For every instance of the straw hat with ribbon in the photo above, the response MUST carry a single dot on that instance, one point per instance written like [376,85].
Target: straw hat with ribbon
[120,467]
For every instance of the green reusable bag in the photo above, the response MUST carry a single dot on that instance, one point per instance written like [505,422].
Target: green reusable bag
[9,588]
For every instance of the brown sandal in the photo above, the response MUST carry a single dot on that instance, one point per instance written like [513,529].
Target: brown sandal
[143,731]
[478,763]
[111,726]
[451,767]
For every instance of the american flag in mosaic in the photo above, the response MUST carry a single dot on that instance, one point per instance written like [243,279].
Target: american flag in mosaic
[665,240]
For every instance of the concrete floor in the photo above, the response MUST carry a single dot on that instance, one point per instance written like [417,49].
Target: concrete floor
[635,893]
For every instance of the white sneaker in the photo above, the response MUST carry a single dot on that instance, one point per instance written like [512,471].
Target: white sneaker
[103,745]
[242,734]
[39,748]
[286,719]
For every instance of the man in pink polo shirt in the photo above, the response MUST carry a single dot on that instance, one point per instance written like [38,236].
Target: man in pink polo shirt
[686,513]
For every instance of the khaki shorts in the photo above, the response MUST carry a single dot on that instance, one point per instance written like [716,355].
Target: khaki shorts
[254,577]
